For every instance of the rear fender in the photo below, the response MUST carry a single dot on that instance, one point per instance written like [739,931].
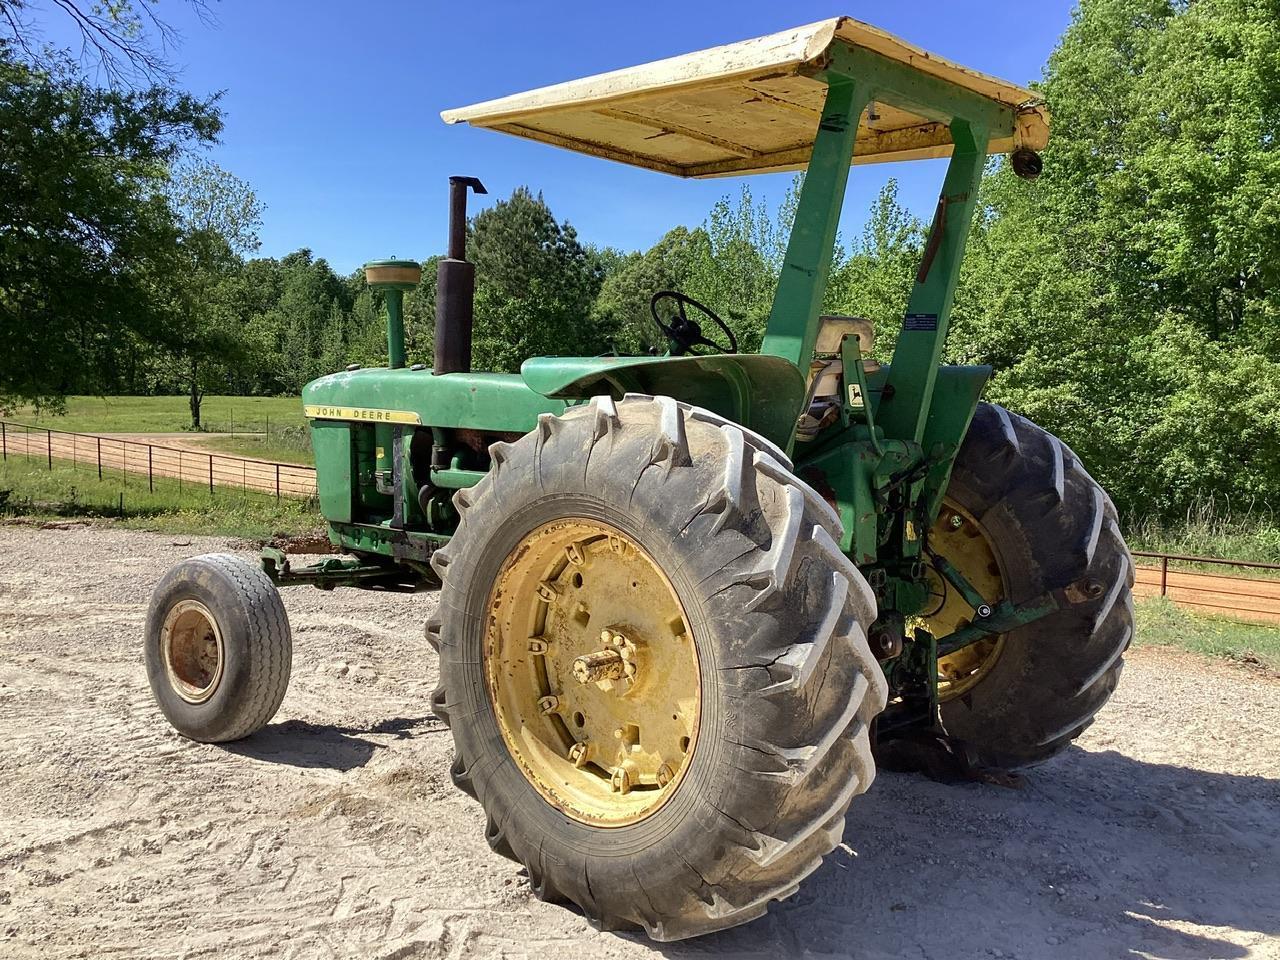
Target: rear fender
[762,393]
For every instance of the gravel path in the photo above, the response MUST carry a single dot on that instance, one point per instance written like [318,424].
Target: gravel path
[335,832]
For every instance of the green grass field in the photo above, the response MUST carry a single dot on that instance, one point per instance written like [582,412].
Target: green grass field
[166,414]
[31,490]
[279,420]
[1161,623]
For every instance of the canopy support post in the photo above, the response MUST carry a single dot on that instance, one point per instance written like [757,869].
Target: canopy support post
[793,320]
[908,394]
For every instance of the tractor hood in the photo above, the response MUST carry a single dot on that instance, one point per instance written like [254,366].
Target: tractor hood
[759,392]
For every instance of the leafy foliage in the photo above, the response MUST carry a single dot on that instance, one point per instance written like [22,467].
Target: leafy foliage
[85,228]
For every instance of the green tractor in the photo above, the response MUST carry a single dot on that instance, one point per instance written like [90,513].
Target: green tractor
[687,602]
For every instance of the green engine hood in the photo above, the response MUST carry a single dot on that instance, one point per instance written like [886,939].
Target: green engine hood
[763,393]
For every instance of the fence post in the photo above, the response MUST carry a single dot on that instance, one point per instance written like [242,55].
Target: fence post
[4,440]
[211,474]
[48,446]
[179,469]
[1164,576]
[277,481]
[151,481]
[99,439]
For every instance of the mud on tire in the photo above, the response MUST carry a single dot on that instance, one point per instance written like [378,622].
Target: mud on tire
[1050,524]
[778,615]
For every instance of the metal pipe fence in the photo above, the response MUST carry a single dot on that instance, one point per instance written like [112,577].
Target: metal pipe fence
[1234,597]
[153,460]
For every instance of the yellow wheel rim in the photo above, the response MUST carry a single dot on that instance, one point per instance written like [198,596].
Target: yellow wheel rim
[592,672]
[960,539]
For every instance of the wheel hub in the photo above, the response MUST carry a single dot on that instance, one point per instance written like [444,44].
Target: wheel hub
[958,537]
[191,645]
[592,671]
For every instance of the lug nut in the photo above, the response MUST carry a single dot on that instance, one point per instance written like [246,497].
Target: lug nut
[620,781]
[579,753]
[665,773]
[548,704]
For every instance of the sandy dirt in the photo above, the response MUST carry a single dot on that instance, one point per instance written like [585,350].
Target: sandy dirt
[335,832]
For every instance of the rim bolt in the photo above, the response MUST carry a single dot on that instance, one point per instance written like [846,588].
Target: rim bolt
[621,780]
[537,646]
[665,773]
[579,753]
[956,521]
[548,704]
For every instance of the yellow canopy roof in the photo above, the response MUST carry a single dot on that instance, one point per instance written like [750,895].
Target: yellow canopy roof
[749,107]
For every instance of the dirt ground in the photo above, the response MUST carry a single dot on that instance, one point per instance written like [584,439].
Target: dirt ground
[335,832]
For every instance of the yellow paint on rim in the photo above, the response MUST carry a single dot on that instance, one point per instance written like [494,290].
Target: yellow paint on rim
[959,538]
[592,672]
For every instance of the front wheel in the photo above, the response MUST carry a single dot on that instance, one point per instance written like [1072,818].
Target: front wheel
[218,648]
[654,662]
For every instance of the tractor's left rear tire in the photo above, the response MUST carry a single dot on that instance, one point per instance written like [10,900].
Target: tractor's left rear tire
[218,648]
[1023,518]
[654,662]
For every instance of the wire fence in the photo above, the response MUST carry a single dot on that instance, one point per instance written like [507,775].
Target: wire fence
[153,461]
[1235,597]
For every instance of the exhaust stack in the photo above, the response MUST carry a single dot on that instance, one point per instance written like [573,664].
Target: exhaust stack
[456,286]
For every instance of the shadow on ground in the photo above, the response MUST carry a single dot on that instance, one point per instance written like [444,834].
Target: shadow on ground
[1080,863]
[298,743]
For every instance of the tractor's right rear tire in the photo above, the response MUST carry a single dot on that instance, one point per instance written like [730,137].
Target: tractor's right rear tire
[760,649]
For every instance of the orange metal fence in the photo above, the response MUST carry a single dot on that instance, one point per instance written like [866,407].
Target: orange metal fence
[1239,598]
[152,460]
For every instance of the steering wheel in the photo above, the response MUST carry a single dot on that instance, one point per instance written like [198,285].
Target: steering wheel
[685,334]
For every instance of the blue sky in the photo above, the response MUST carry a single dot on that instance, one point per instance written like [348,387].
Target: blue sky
[332,108]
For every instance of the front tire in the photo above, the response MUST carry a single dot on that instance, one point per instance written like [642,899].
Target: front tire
[785,684]
[218,648]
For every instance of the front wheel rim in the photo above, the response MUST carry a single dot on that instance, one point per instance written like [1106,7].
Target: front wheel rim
[592,672]
[192,650]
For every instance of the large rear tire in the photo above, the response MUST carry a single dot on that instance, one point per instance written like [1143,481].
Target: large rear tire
[1019,493]
[776,693]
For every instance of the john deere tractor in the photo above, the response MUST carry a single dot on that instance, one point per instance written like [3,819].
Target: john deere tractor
[687,601]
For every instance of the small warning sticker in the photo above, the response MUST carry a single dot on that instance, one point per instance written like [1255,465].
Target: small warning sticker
[926,322]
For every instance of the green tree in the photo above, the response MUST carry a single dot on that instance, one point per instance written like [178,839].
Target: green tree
[79,264]
[218,216]
[1128,299]
[875,278]
[535,285]
[621,312]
